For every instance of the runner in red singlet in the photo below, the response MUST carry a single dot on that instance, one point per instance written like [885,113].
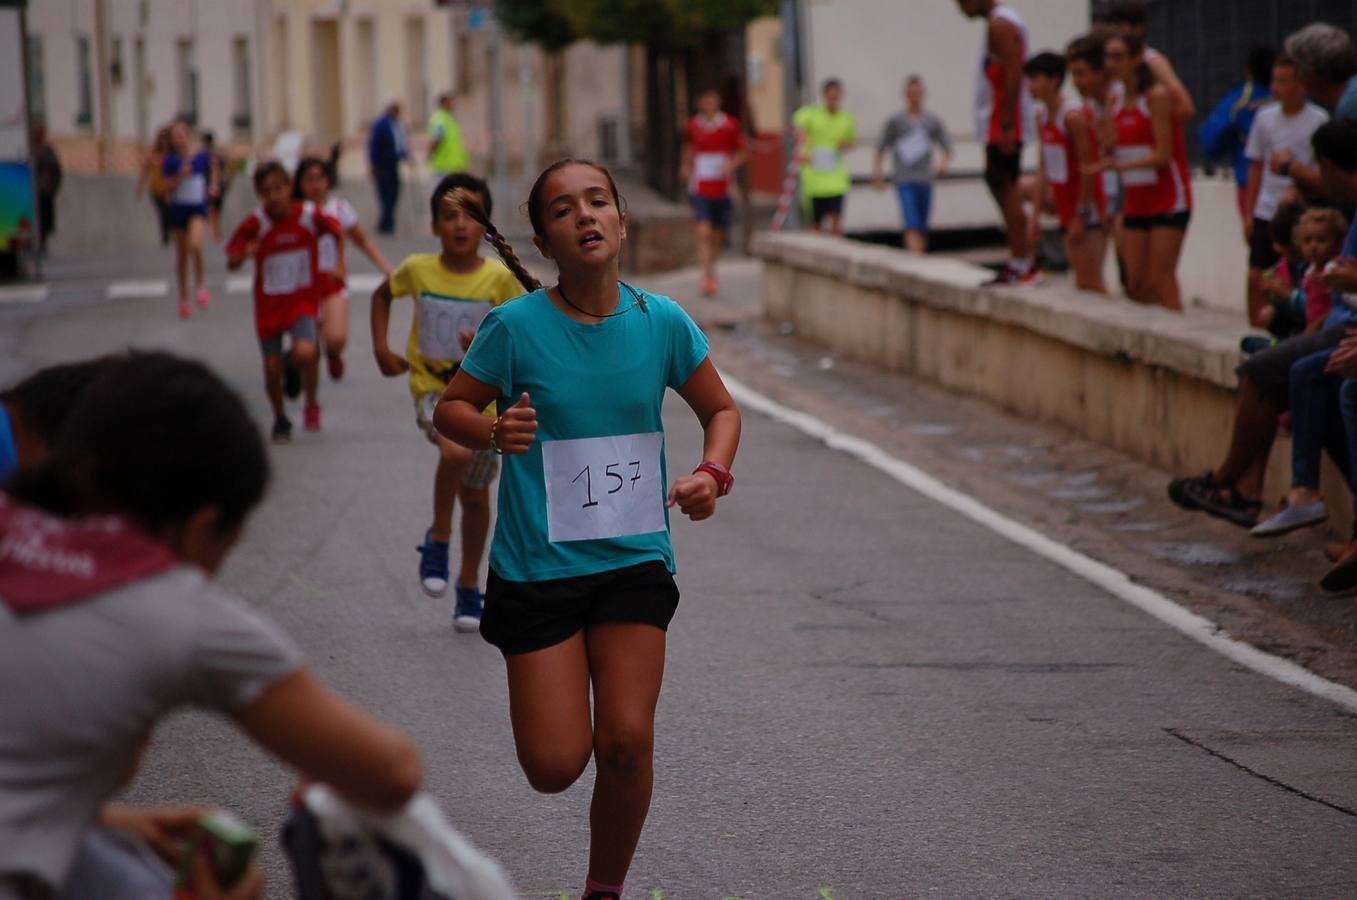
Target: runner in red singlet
[1002,112]
[1069,153]
[1151,157]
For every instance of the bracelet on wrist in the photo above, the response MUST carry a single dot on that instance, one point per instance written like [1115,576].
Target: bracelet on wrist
[494,435]
[720,474]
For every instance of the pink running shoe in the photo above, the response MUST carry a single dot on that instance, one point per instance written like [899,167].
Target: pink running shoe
[204,298]
[335,363]
[709,286]
[311,418]
[185,309]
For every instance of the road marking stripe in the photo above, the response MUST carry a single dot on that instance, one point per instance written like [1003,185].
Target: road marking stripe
[240,284]
[364,282]
[25,293]
[122,290]
[1104,576]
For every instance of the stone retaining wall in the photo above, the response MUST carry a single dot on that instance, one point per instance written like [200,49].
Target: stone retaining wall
[1156,385]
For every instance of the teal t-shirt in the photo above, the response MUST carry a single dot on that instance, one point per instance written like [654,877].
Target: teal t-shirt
[588,496]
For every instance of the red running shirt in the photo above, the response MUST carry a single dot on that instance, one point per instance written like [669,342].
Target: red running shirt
[1060,157]
[286,282]
[990,99]
[713,143]
[1151,191]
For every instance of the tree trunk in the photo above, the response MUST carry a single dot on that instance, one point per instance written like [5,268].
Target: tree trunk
[660,163]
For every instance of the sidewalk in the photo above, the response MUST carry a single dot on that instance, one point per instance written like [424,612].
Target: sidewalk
[1097,500]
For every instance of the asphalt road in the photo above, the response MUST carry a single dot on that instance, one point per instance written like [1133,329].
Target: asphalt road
[867,695]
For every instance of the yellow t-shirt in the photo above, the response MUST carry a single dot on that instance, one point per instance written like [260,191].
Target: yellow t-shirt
[445,303]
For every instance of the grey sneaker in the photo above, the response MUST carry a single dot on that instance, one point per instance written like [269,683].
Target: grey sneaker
[1290,518]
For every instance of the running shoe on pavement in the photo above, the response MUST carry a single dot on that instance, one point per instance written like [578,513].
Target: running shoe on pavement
[311,417]
[1009,276]
[466,613]
[185,309]
[204,298]
[335,363]
[709,286]
[433,566]
[282,430]
[1182,490]
[292,378]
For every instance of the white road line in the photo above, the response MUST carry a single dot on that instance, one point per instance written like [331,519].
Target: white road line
[1104,576]
[364,282]
[25,293]
[152,287]
[240,284]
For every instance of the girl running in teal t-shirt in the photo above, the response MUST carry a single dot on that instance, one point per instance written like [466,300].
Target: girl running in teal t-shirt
[581,586]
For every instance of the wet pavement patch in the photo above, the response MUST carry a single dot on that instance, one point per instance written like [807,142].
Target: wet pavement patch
[1194,553]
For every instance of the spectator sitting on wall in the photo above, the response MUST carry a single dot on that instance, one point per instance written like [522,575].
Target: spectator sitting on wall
[1282,128]
[1328,67]
[1226,129]
[1233,489]
[1283,313]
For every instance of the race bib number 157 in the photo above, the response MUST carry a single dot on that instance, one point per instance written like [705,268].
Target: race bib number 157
[603,487]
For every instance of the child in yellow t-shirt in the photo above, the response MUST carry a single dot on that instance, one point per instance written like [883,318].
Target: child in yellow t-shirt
[453,290]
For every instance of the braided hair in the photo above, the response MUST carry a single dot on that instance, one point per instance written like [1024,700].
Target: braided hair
[461,196]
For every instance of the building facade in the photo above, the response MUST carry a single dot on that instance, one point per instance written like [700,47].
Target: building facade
[105,75]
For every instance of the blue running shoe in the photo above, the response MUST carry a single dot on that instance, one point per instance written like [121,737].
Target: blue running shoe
[433,566]
[466,614]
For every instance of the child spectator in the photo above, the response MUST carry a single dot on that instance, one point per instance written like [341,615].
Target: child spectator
[281,236]
[1320,237]
[1285,313]
[1281,128]
[148,485]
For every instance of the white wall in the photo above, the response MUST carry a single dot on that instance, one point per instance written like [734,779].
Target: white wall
[873,45]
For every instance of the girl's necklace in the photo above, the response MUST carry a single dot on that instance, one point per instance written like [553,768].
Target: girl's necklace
[639,301]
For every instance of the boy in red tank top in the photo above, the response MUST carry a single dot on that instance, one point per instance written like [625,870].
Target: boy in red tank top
[1069,151]
[281,235]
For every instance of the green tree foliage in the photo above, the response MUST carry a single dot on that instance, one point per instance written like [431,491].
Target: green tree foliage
[670,24]
[536,22]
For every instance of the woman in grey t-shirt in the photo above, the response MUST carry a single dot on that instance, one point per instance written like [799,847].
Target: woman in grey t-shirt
[109,619]
[909,138]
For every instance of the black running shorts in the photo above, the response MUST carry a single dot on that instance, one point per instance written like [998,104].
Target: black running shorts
[523,616]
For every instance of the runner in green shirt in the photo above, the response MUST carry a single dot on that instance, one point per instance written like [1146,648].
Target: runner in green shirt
[823,132]
[447,154]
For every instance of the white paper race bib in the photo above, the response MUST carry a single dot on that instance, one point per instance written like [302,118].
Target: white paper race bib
[603,487]
[441,319]
[710,166]
[287,273]
[191,190]
[1136,177]
[1057,163]
[913,147]
[327,253]
[826,159]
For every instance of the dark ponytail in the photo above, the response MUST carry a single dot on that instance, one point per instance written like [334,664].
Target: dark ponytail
[459,191]
[327,166]
[156,438]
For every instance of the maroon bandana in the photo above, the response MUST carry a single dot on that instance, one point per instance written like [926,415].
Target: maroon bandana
[47,561]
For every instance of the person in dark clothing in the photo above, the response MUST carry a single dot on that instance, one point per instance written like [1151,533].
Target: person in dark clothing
[387,146]
[1226,129]
[47,175]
